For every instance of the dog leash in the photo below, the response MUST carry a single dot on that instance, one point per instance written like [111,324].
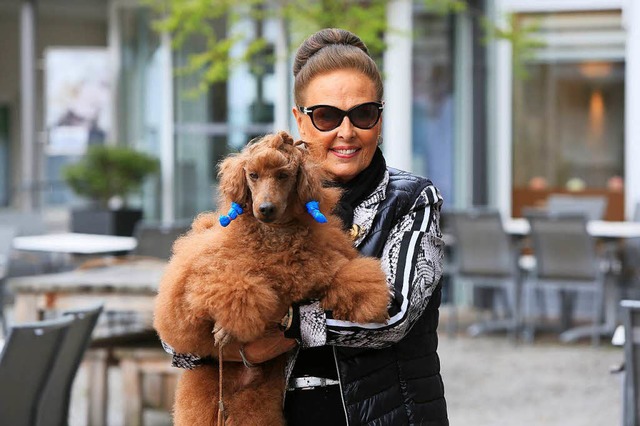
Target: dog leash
[220,402]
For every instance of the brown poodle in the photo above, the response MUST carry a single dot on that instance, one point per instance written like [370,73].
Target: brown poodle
[244,276]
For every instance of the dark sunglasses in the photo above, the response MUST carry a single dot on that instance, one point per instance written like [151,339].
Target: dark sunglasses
[326,118]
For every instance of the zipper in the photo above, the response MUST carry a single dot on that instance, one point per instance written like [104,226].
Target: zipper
[344,406]
[291,361]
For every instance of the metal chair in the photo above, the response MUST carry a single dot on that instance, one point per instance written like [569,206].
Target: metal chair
[6,237]
[156,240]
[54,402]
[630,394]
[487,258]
[629,255]
[566,260]
[593,207]
[25,364]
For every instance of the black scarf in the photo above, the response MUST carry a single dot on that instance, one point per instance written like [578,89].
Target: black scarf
[359,188]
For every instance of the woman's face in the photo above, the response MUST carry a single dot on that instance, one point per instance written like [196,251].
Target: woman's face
[346,150]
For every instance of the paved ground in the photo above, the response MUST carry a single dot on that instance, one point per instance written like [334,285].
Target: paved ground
[490,381]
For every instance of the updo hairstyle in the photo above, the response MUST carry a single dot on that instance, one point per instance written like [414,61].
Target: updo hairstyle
[332,49]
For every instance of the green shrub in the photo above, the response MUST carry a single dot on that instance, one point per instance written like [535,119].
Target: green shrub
[107,171]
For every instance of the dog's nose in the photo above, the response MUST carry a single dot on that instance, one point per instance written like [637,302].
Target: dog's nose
[267,209]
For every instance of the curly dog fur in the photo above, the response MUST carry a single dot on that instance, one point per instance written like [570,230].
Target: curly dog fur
[244,276]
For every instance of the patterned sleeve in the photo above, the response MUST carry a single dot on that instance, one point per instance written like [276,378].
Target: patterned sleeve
[412,260]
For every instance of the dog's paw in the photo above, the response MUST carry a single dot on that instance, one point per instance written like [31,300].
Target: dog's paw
[359,292]
[245,308]
[221,336]
[364,310]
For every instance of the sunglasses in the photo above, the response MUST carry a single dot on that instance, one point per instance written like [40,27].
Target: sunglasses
[326,118]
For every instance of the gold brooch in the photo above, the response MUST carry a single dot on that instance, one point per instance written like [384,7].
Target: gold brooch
[355,231]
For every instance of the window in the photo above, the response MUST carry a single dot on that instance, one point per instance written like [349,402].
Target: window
[568,111]
[433,102]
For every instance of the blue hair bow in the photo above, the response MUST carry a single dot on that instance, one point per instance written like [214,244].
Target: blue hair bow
[313,208]
[234,211]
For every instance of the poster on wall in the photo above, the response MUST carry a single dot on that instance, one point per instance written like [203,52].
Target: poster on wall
[78,97]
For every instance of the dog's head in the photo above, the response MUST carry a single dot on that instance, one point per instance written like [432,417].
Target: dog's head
[274,178]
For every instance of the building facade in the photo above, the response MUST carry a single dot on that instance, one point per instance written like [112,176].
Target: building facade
[456,110]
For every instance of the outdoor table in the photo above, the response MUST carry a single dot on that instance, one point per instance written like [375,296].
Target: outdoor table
[121,286]
[75,243]
[67,248]
[596,228]
[130,285]
[606,230]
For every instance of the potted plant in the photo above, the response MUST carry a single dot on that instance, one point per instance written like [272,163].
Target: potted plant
[105,174]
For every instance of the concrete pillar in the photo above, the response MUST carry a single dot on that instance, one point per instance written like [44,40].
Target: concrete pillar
[282,111]
[397,115]
[26,189]
[167,133]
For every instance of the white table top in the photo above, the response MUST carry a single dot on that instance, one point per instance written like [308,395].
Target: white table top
[75,243]
[597,228]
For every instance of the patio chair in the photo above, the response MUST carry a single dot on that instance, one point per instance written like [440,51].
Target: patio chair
[631,382]
[593,207]
[156,240]
[56,396]
[6,237]
[487,258]
[566,260]
[25,365]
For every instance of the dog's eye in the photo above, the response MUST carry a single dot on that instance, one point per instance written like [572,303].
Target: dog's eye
[283,176]
[253,176]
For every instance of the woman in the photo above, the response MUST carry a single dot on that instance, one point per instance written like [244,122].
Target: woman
[347,373]
[383,374]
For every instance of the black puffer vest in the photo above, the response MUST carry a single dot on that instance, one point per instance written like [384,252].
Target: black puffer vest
[399,385]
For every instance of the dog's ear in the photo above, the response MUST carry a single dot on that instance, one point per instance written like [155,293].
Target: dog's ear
[233,182]
[310,184]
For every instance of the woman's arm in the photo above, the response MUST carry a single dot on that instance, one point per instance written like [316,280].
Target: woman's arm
[412,259]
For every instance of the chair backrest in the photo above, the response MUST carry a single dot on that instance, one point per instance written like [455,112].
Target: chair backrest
[562,246]
[482,246]
[631,318]
[6,243]
[25,363]
[591,206]
[25,223]
[56,395]
[636,213]
[156,240]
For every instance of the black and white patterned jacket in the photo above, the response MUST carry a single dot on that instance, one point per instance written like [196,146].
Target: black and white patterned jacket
[411,250]
[390,373]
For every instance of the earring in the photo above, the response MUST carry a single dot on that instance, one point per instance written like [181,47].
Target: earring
[379,141]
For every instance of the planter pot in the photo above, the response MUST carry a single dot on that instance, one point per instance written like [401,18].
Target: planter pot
[106,222]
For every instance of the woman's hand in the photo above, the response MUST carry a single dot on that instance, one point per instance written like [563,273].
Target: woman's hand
[271,345]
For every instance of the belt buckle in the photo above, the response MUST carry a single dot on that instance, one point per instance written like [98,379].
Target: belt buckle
[310,385]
